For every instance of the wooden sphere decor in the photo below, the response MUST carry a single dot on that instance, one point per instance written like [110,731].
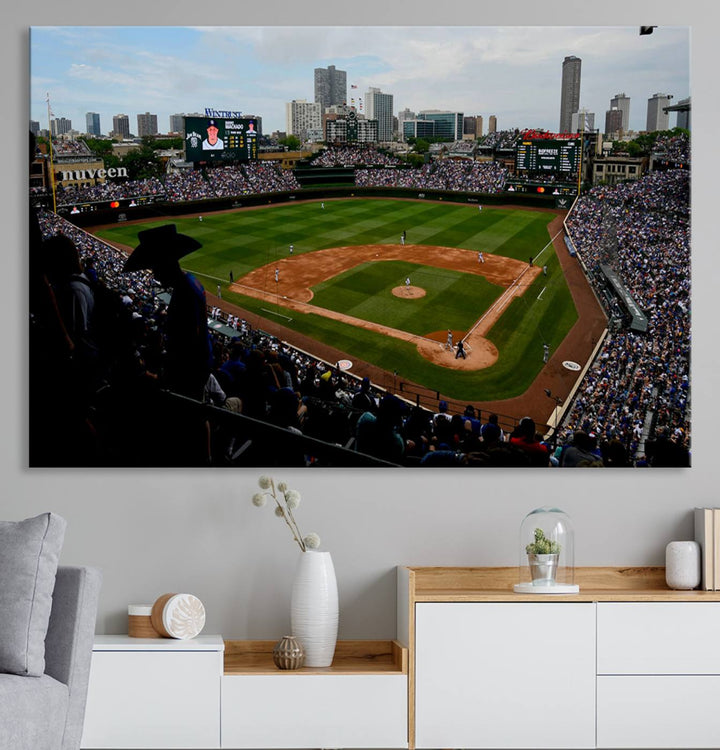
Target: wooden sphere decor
[178,616]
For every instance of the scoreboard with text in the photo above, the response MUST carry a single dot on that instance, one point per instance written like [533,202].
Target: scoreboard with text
[221,139]
[548,156]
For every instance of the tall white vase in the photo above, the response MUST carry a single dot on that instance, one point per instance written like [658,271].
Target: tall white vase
[314,607]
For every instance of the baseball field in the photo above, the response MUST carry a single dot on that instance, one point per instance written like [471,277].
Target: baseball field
[352,283]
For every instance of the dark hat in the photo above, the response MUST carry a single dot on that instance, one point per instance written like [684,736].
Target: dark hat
[160,244]
[212,124]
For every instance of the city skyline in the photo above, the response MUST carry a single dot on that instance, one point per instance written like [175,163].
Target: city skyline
[512,72]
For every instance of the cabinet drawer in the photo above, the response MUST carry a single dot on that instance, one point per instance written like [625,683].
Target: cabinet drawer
[496,675]
[301,711]
[661,711]
[658,638]
[156,699]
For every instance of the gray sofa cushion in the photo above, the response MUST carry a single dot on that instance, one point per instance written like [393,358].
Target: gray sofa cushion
[29,552]
[32,712]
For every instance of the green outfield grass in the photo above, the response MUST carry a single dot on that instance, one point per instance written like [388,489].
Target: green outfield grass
[241,241]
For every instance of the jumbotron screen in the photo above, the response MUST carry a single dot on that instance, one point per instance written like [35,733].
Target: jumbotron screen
[548,156]
[221,138]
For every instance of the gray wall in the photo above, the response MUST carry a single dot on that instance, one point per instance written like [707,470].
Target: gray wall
[158,531]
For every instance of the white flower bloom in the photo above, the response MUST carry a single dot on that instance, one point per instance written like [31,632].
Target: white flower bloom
[265,482]
[279,512]
[292,496]
[258,499]
[312,540]
[282,486]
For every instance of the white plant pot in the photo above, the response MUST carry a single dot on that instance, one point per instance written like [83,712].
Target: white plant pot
[314,607]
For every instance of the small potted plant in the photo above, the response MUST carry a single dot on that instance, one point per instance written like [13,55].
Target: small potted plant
[543,555]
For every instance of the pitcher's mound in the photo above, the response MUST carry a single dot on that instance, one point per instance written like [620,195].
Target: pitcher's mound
[409,292]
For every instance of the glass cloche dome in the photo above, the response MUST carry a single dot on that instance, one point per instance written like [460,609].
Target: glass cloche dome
[546,553]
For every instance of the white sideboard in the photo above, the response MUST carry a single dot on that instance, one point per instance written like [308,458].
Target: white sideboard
[154,693]
[206,693]
[626,663]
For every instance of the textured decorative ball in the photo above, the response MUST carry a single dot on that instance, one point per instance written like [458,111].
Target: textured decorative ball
[179,616]
[288,653]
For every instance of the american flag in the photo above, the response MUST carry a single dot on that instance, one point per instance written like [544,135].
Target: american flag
[353,86]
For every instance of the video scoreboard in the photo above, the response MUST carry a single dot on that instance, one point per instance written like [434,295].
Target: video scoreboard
[548,156]
[221,138]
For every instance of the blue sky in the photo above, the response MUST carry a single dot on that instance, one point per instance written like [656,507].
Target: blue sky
[512,72]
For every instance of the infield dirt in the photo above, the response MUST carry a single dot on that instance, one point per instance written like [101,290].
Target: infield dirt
[298,274]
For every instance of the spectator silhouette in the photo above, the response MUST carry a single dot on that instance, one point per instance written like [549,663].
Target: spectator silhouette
[187,342]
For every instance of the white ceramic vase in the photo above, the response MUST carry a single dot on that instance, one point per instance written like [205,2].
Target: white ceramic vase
[682,565]
[314,607]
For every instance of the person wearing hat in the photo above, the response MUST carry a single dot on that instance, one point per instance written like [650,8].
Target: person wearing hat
[187,341]
[212,142]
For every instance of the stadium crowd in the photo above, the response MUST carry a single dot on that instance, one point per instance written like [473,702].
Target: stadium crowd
[341,156]
[188,185]
[447,174]
[636,394]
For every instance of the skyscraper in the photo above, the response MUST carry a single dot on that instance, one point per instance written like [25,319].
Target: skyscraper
[613,121]
[147,124]
[121,126]
[656,118]
[379,106]
[492,124]
[60,126]
[569,92]
[177,123]
[303,118]
[582,121]
[622,103]
[92,123]
[330,86]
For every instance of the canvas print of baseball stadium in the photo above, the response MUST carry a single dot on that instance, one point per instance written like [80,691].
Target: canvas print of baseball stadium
[356,285]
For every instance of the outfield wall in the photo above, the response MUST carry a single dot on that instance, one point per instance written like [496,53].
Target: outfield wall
[160,209]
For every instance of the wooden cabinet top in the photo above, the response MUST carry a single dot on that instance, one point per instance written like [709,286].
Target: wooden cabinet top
[631,584]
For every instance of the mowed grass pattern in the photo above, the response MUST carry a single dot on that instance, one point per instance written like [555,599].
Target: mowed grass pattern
[452,300]
[241,241]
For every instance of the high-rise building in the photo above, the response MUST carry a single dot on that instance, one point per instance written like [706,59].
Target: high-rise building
[34,127]
[447,124]
[147,124]
[473,126]
[656,118]
[121,126]
[303,117]
[613,121]
[330,86]
[569,92]
[582,121]
[492,124]
[404,116]
[379,106]
[177,123]
[92,123]
[622,102]
[60,126]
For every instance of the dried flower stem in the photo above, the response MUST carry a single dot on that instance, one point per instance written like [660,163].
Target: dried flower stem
[288,516]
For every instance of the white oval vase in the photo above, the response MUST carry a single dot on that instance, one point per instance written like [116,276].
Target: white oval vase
[682,565]
[314,607]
